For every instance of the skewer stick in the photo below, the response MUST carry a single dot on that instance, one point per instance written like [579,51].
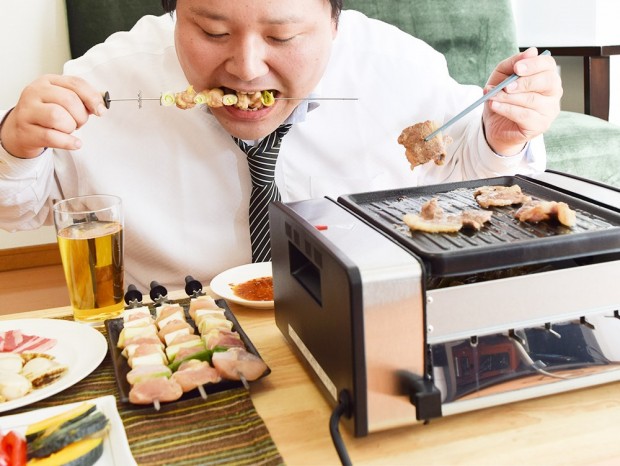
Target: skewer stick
[316,98]
[156,405]
[203,394]
[107,100]
[244,381]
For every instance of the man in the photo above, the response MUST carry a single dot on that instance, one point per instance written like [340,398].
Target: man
[185,182]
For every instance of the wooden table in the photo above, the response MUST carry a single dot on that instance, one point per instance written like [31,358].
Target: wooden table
[574,428]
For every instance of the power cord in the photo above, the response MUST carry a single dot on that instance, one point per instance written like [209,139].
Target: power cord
[342,408]
[422,393]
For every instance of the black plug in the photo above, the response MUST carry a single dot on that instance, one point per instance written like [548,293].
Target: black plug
[133,297]
[423,395]
[158,292]
[193,287]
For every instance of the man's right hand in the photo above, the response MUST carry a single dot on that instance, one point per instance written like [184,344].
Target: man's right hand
[49,110]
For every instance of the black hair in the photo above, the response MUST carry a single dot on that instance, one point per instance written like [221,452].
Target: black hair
[171,5]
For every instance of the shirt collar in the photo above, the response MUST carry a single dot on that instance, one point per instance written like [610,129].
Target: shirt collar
[301,111]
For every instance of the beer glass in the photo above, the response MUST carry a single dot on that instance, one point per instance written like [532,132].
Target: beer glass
[90,237]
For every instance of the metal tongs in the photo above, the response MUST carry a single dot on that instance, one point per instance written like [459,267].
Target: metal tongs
[139,98]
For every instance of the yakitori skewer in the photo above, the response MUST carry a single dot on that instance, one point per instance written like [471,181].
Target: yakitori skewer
[214,98]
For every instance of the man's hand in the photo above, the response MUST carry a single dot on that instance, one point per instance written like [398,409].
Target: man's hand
[49,110]
[526,107]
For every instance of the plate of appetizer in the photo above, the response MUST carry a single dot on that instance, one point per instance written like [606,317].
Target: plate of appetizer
[42,357]
[71,433]
[249,285]
[176,351]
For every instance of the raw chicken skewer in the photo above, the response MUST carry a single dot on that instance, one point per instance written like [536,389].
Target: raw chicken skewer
[168,359]
[149,377]
[194,374]
[235,363]
[174,340]
[238,364]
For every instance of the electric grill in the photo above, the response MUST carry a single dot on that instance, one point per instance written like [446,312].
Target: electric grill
[408,326]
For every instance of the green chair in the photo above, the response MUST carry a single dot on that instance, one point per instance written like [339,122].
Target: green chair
[91,22]
[474,36]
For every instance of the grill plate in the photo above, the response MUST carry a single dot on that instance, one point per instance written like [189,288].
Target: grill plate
[504,242]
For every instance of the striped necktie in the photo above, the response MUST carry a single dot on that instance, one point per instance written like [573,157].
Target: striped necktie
[262,162]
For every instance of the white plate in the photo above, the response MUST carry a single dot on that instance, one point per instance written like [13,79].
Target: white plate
[78,346]
[115,446]
[221,284]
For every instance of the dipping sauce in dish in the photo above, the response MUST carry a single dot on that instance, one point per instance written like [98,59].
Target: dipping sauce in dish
[257,289]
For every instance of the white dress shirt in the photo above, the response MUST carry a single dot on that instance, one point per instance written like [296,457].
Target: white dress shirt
[184,182]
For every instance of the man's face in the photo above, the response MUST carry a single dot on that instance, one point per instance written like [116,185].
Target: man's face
[254,45]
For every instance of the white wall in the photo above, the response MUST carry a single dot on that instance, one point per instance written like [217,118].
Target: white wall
[573,23]
[34,39]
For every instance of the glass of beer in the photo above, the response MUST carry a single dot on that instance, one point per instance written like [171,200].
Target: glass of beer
[90,237]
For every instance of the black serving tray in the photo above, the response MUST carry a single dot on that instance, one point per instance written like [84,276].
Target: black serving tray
[504,242]
[121,366]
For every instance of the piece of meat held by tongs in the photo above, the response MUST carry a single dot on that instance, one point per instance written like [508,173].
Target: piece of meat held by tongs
[419,151]
[425,141]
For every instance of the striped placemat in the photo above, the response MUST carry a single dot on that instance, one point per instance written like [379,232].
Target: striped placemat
[224,429]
